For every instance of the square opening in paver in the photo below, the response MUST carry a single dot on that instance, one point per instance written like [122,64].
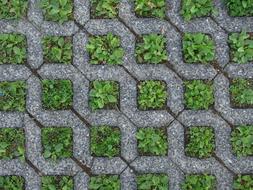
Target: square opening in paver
[13,9]
[105,50]
[199,181]
[104,95]
[12,143]
[243,182]
[57,11]
[13,49]
[57,94]
[57,49]
[242,141]
[241,47]
[12,183]
[191,9]
[102,182]
[152,141]
[241,93]
[105,141]
[152,181]
[13,96]
[151,49]
[198,94]
[57,142]
[199,142]
[239,8]
[150,8]
[104,9]
[57,182]
[152,95]
[198,48]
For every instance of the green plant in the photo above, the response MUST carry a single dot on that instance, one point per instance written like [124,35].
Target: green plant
[152,49]
[198,94]
[240,7]
[57,49]
[199,182]
[198,47]
[57,183]
[152,141]
[104,8]
[242,92]
[12,183]
[12,96]
[241,45]
[200,142]
[57,10]
[243,182]
[105,49]
[12,48]
[152,182]
[242,140]
[197,8]
[104,94]
[57,94]
[150,8]
[104,182]
[57,142]
[105,141]
[13,9]
[151,95]
[12,143]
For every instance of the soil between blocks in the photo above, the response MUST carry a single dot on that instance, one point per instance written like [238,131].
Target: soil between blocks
[73,123]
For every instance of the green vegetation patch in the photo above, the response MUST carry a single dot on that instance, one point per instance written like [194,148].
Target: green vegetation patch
[240,7]
[104,95]
[198,48]
[12,143]
[104,182]
[13,9]
[241,92]
[57,142]
[105,141]
[57,49]
[104,8]
[198,94]
[57,10]
[57,94]
[152,95]
[12,183]
[152,181]
[151,49]
[105,50]
[12,96]
[197,8]
[199,182]
[152,141]
[200,142]
[12,48]
[57,183]
[150,8]
[241,47]
[243,182]
[242,141]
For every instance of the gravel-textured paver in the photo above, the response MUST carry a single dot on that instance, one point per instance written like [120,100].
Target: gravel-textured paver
[222,116]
